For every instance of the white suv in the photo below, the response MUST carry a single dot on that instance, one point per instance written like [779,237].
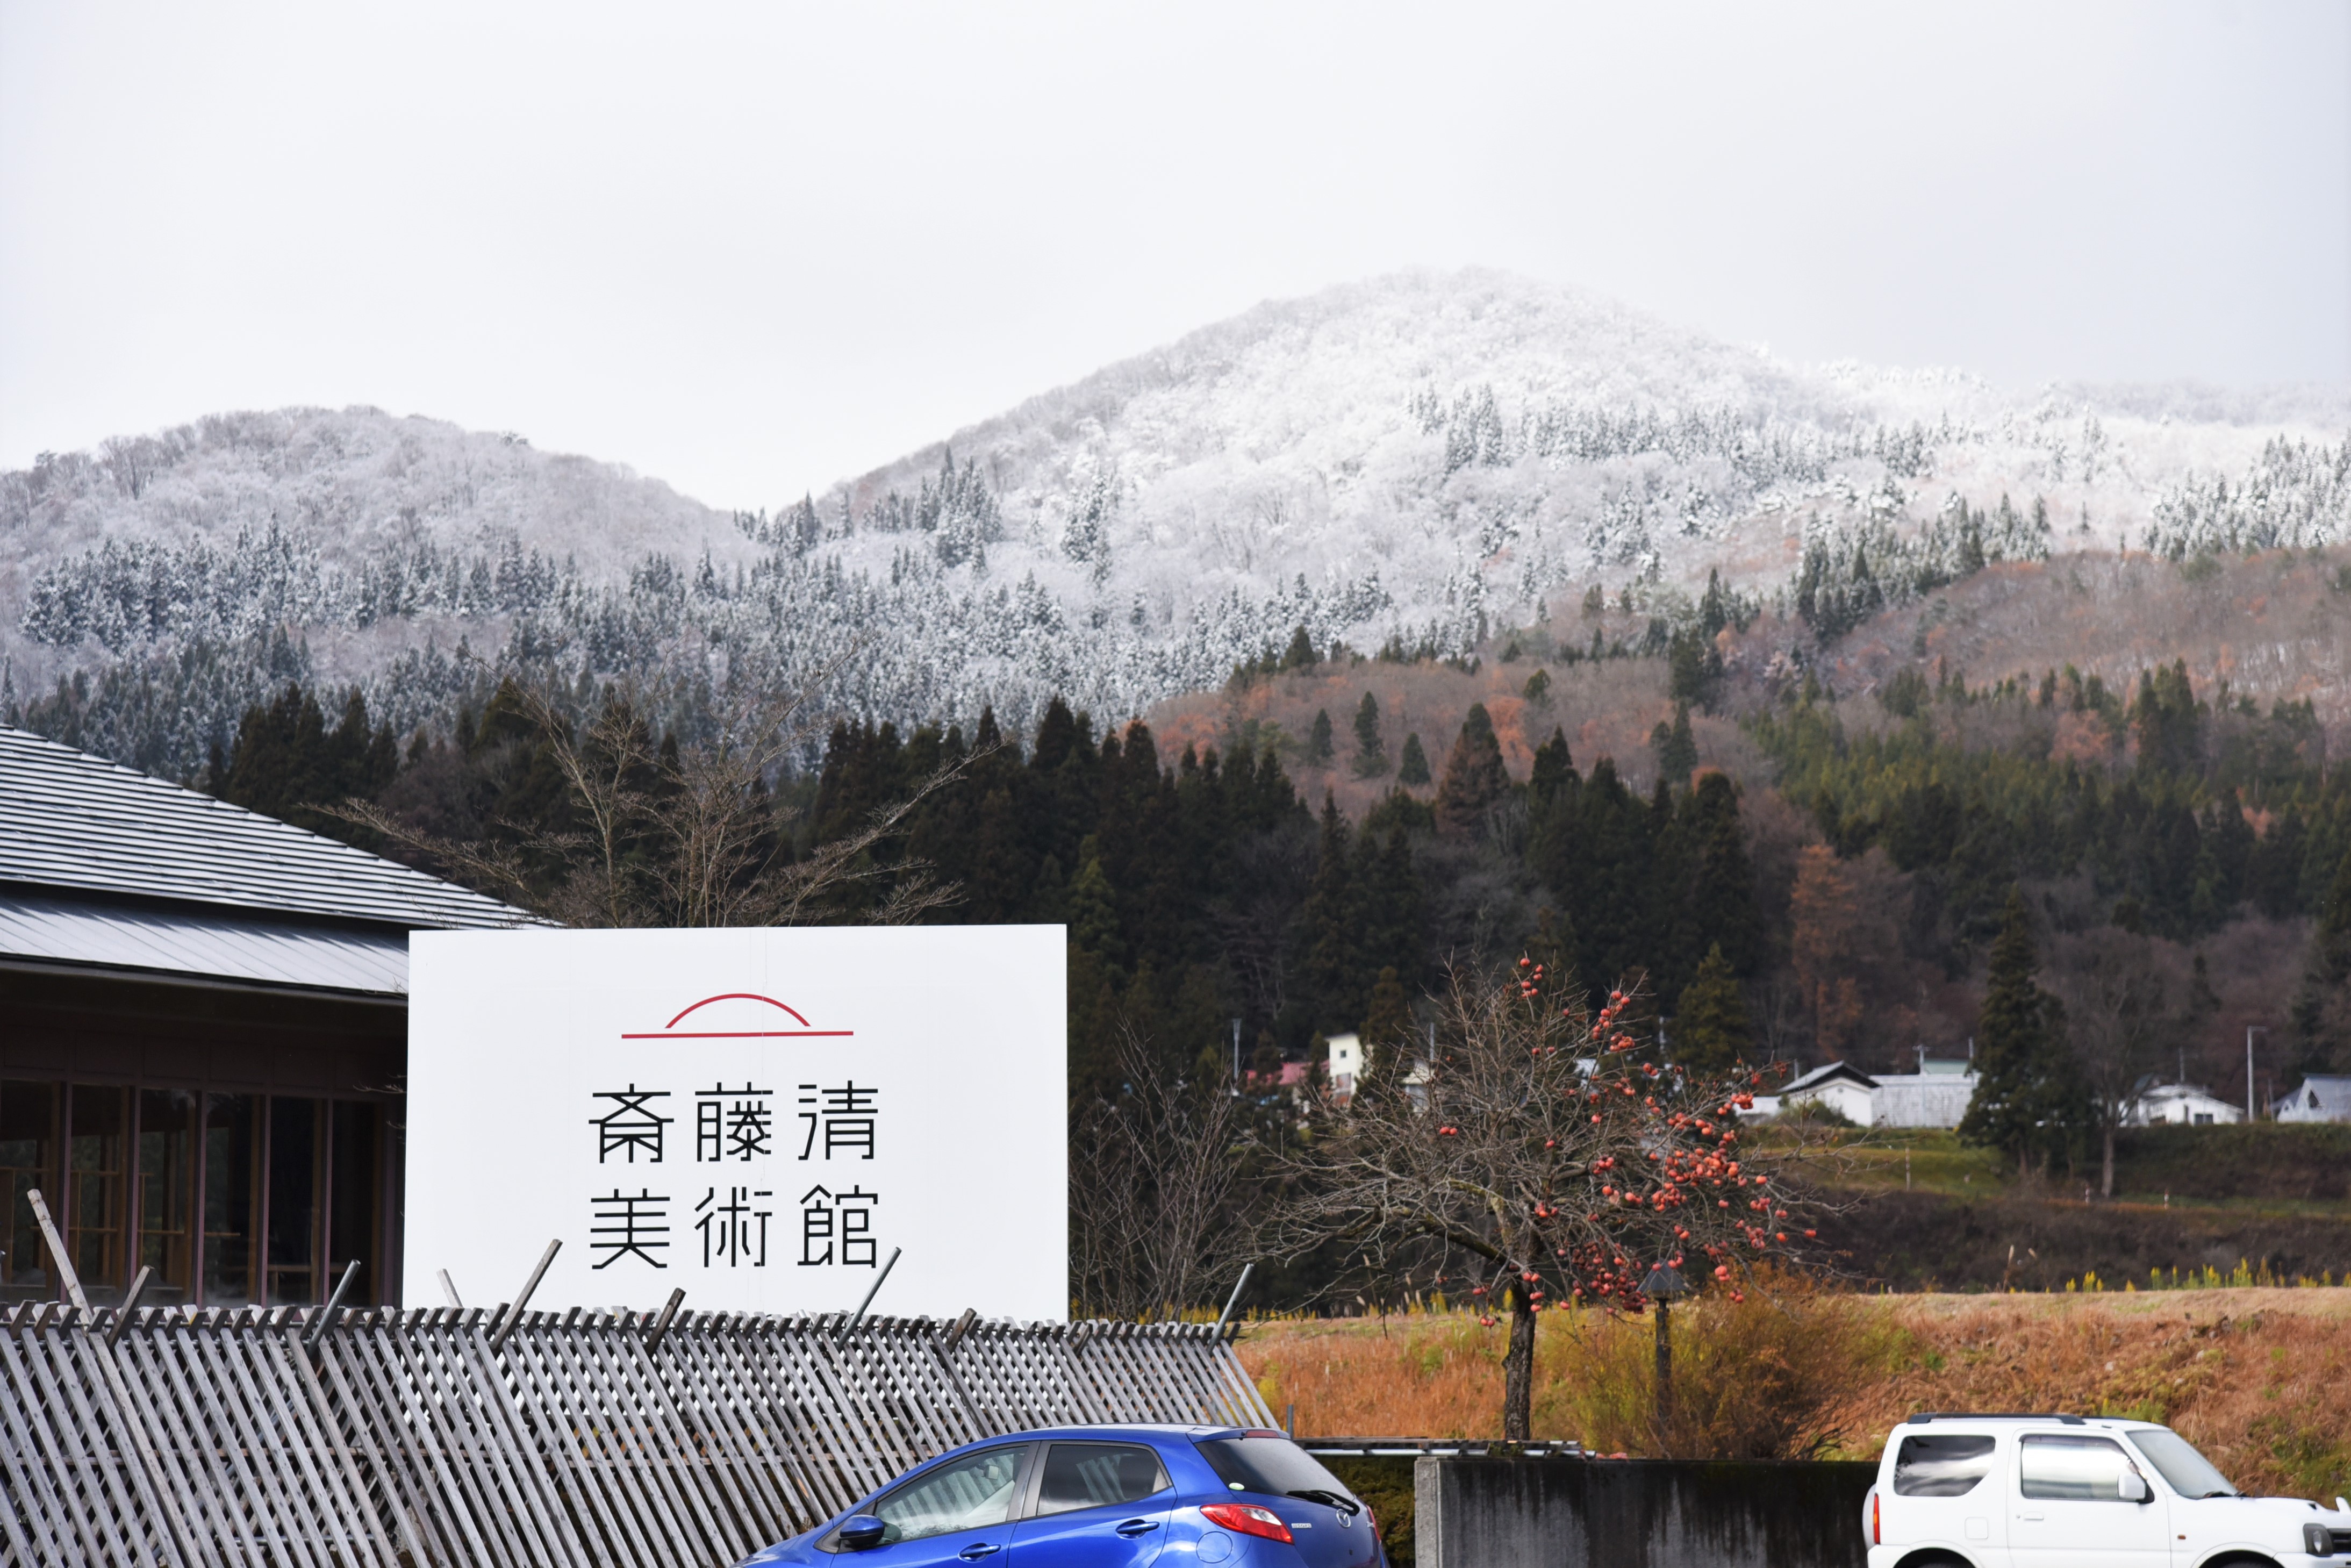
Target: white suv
[2038,1491]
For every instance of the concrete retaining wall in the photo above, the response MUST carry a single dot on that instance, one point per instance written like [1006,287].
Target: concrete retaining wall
[1637,1513]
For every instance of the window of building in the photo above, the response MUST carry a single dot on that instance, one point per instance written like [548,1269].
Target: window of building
[28,1160]
[226,1199]
[97,1196]
[167,1194]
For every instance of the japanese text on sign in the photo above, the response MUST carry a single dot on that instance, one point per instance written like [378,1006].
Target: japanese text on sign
[738,1127]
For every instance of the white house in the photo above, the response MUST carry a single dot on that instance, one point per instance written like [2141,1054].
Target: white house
[1346,1064]
[2182,1106]
[2316,1099]
[1843,1089]
[1934,1097]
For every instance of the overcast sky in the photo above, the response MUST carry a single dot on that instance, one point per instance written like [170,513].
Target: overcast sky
[755,248]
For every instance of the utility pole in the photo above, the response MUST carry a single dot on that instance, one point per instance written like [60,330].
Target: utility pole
[2251,1030]
[1237,1059]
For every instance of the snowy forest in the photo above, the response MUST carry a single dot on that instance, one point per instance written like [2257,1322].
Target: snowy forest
[1409,463]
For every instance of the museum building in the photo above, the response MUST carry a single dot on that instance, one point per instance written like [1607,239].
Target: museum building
[203,1039]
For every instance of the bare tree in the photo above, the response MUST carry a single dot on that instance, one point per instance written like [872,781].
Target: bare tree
[2111,984]
[1160,1193]
[688,835]
[1552,1151]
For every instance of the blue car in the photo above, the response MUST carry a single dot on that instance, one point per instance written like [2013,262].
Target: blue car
[1104,1497]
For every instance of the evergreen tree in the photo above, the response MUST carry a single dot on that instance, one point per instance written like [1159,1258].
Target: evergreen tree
[1713,611]
[1094,915]
[1329,927]
[1388,1032]
[1612,880]
[1722,879]
[1693,670]
[2321,1015]
[1553,779]
[1371,750]
[2025,1101]
[1710,1032]
[1474,778]
[1318,740]
[1389,905]
[288,764]
[1413,768]
[1677,748]
[1299,655]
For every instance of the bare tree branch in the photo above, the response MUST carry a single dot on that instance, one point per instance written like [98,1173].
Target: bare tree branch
[690,839]
[1161,1211]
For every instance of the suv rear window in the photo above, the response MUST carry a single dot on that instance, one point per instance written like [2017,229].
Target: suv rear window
[1275,1465]
[1941,1466]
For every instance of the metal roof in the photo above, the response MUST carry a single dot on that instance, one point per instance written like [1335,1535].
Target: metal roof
[1825,1073]
[120,937]
[72,821]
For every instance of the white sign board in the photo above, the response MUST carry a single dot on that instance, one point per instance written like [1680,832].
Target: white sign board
[761,1116]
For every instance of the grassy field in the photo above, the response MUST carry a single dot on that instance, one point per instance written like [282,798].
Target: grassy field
[2258,1378]
[2289,1169]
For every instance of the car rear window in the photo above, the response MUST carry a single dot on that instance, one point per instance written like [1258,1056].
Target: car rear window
[1941,1465]
[1272,1464]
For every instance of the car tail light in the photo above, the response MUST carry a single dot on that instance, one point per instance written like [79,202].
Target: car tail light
[1372,1518]
[1247,1518]
[1876,1534]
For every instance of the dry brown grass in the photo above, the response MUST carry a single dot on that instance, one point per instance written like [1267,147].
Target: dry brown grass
[2259,1379]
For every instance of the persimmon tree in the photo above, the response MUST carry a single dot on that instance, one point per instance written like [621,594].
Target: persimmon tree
[1544,1156]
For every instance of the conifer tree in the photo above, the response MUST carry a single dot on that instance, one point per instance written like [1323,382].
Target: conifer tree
[2322,1009]
[1299,655]
[1713,614]
[1612,877]
[1710,1032]
[1371,750]
[2025,1101]
[288,764]
[1318,740]
[1412,768]
[1677,748]
[1475,777]
[1094,914]
[1331,925]
[1552,777]
[1387,1029]
[1722,879]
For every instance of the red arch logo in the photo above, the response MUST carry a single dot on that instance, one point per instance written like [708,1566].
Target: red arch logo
[671,1032]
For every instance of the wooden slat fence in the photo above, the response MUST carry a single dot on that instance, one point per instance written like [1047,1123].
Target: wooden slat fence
[242,1439]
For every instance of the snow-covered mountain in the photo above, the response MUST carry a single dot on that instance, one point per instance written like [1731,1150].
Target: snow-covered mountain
[1413,459]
